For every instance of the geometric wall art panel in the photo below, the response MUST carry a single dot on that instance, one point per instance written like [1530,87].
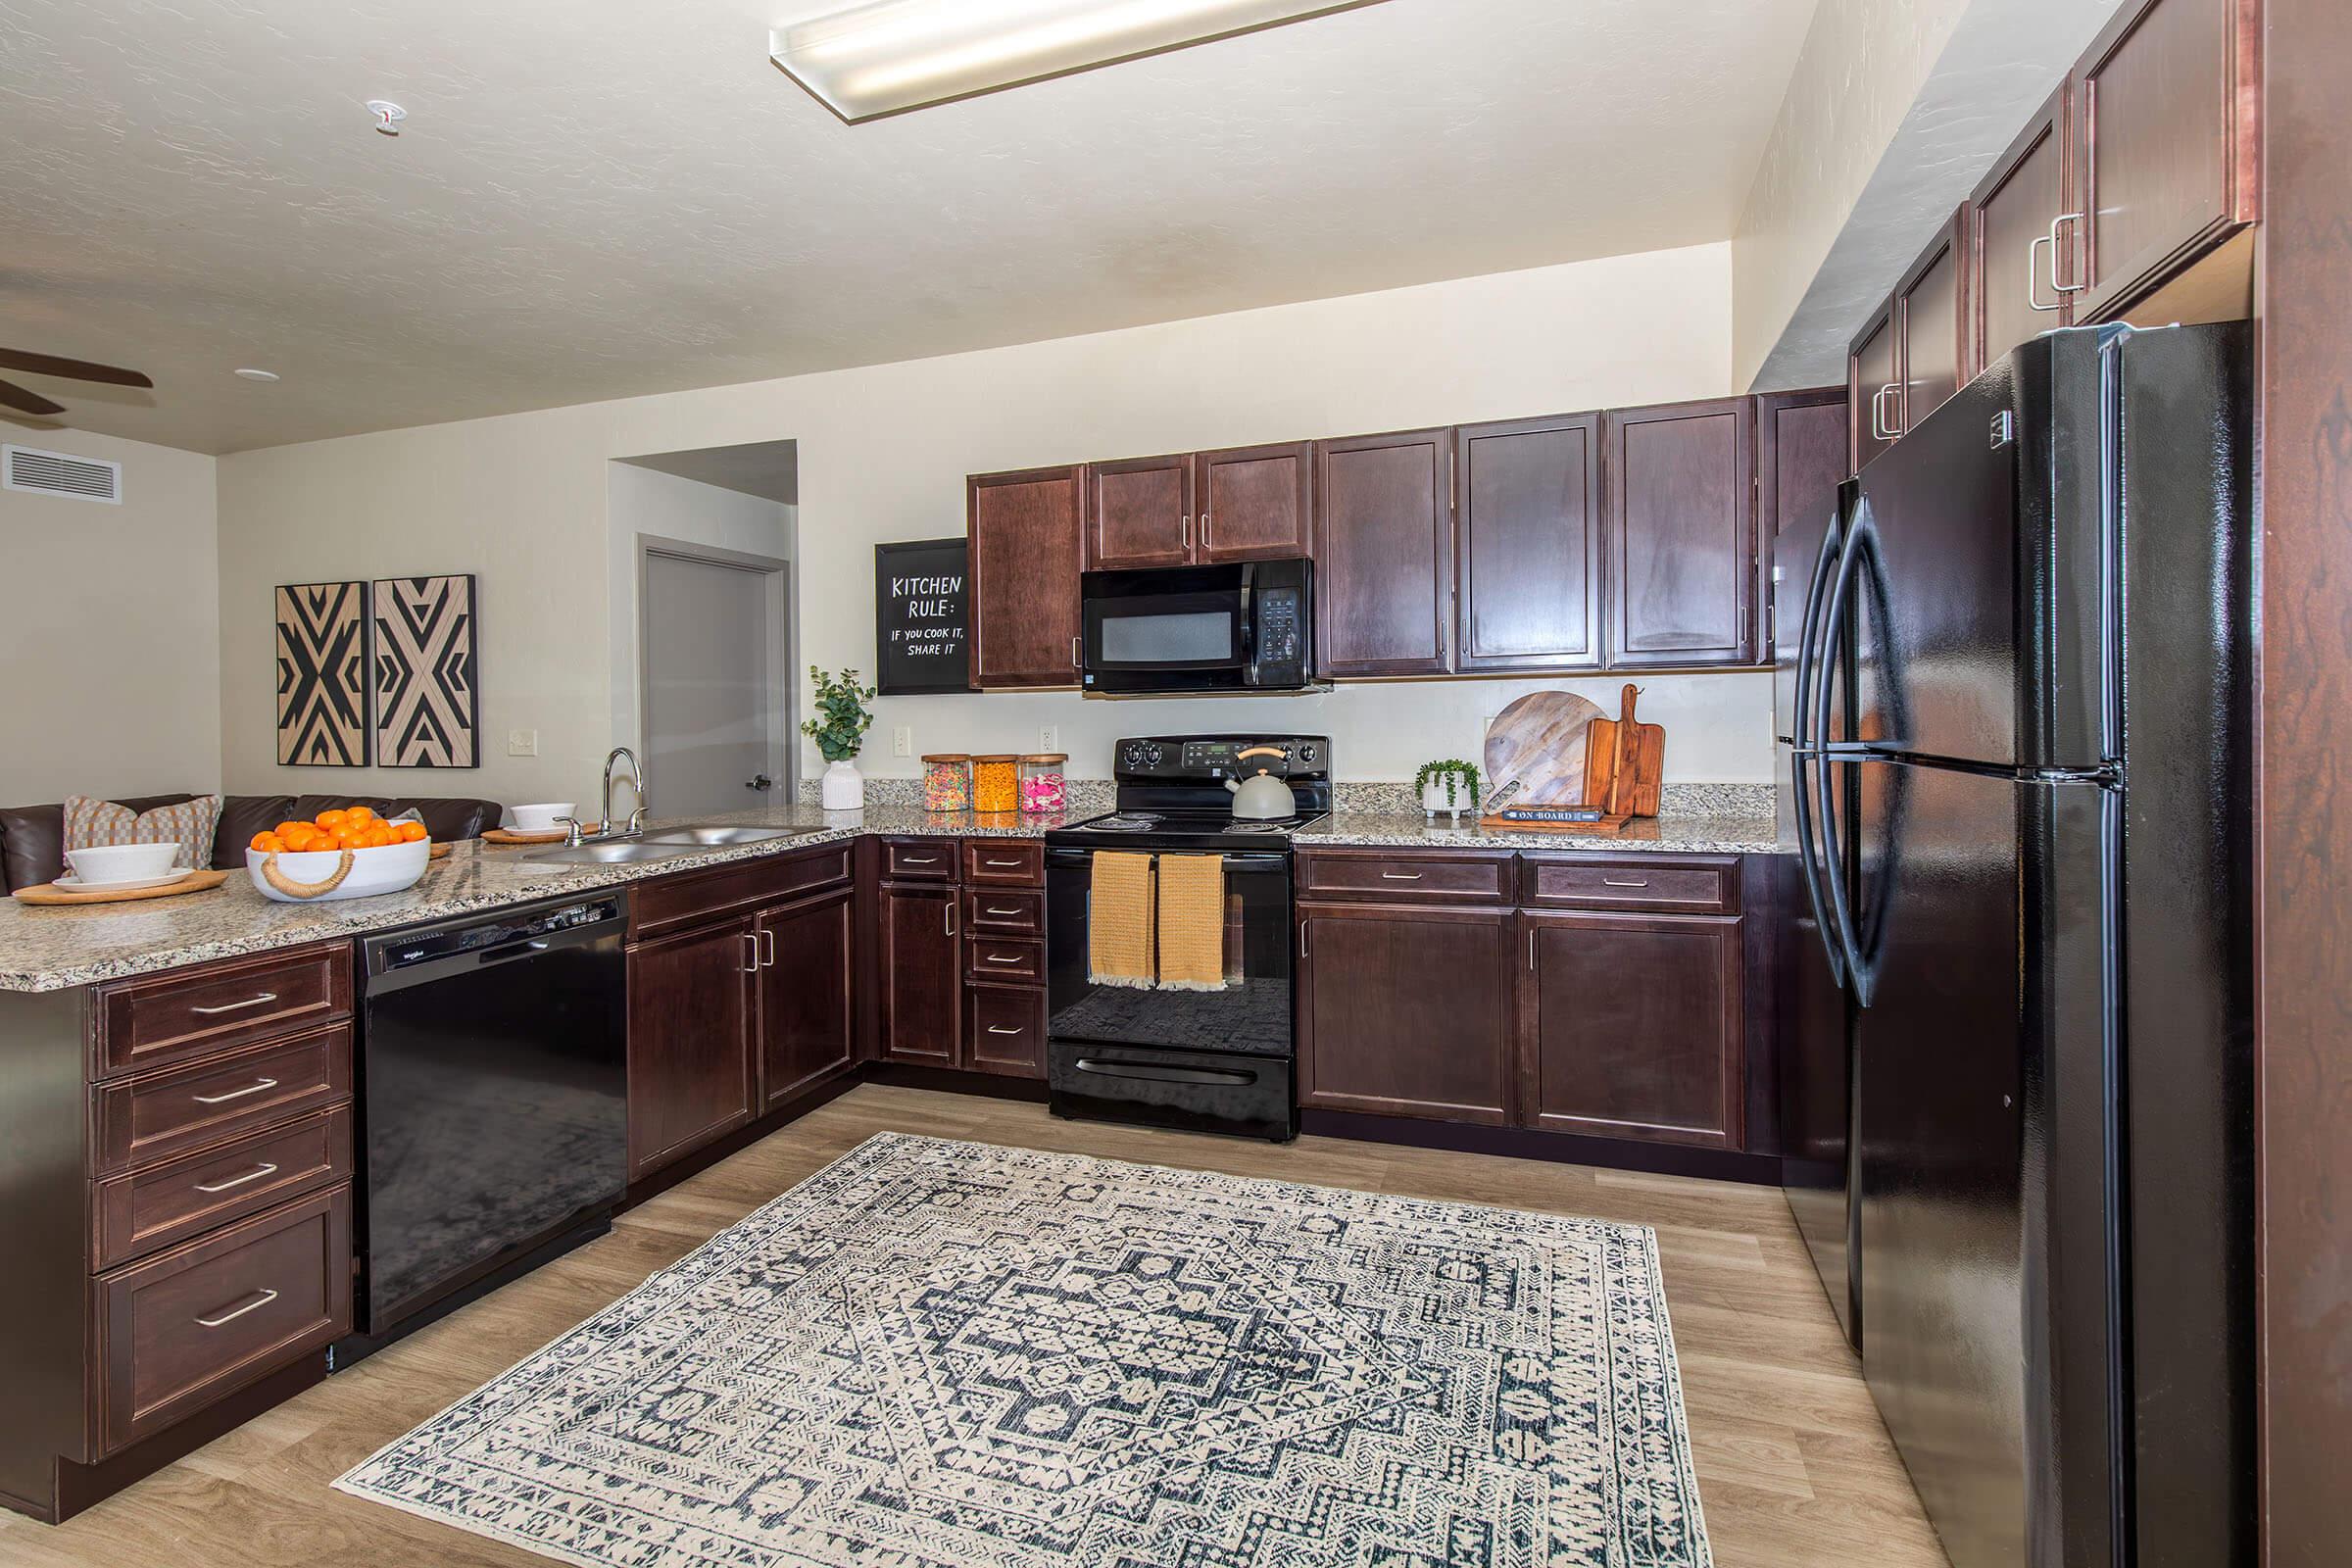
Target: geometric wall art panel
[427,694]
[322,675]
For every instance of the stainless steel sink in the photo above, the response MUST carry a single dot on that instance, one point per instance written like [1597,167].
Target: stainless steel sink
[619,851]
[713,835]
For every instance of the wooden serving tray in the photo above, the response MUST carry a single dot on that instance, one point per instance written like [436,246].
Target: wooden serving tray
[51,893]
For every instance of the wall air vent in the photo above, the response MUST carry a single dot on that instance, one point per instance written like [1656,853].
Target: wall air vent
[56,473]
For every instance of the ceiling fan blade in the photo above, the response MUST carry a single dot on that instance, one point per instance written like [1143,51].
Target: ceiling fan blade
[24,401]
[72,370]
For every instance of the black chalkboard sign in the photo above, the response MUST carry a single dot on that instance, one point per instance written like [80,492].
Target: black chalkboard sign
[922,622]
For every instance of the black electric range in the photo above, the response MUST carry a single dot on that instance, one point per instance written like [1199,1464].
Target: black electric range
[1220,1059]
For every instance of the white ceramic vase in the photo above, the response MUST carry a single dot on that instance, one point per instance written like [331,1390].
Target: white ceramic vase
[1435,803]
[843,788]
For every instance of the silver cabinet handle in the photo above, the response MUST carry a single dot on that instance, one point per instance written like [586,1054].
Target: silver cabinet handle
[2033,269]
[751,942]
[1204,528]
[993,958]
[1302,939]
[1000,913]
[946,918]
[999,1029]
[767,948]
[1881,426]
[1612,882]
[1531,950]
[235,1006]
[237,1094]
[920,859]
[1400,876]
[1075,662]
[1188,533]
[254,1306]
[2056,223]
[253,1175]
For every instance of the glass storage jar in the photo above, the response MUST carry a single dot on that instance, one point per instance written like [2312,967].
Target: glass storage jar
[948,783]
[1043,789]
[995,783]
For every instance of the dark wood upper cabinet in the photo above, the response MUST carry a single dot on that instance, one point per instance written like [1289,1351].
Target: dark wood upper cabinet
[1800,459]
[1633,1026]
[2166,113]
[693,1063]
[1383,559]
[921,970]
[2019,279]
[1405,1011]
[1934,315]
[1139,512]
[1253,503]
[1873,384]
[1026,555]
[1680,510]
[806,954]
[1527,545]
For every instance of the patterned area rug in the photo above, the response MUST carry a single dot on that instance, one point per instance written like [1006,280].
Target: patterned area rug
[939,1354]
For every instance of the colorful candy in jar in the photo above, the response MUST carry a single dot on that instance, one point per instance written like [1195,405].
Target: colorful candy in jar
[995,783]
[1043,789]
[948,782]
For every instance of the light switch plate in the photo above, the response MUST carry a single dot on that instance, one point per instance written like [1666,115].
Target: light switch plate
[522,743]
[901,740]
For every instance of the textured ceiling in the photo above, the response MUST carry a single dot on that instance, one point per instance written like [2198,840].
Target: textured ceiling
[607,197]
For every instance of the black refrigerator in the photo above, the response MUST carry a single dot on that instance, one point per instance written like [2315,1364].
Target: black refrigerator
[2015,705]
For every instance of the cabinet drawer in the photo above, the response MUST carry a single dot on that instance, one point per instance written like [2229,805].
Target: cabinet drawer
[1008,1030]
[997,958]
[161,1019]
[1005,862]
[136,1121]
[991,912]
[1409,878]
[1684,886]
[149,1209]
[188,1326]
[661,903]
[918,859]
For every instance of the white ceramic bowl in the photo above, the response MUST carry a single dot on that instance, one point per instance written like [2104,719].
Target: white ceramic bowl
[383,871]
[541,818]
[123,862]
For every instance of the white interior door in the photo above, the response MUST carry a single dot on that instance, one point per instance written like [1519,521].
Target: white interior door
[709,692]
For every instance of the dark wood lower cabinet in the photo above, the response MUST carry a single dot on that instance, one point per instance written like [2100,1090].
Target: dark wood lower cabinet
[1006,1030]
[921,967]
[693,1071]
[1405,1011]
[1632,1026]
[808,971]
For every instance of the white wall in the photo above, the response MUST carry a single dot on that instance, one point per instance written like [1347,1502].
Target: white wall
[111,642]
[521,500]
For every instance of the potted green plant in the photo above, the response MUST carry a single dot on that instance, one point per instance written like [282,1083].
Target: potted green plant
[839,730]
[1447,788]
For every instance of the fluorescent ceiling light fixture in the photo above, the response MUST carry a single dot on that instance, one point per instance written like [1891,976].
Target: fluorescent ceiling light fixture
[895,55]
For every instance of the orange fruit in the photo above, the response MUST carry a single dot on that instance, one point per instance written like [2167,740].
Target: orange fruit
[298,837]
[359,814]
[284,828]
[380,837]
[266,843]
[332,817]
[413,832]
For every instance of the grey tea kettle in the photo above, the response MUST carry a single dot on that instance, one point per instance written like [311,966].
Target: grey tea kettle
[1261,797]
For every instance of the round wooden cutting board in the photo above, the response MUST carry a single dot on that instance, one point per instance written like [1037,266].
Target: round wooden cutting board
[1539,741]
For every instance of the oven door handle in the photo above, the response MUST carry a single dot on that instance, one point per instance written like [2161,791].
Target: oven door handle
[1152,1072]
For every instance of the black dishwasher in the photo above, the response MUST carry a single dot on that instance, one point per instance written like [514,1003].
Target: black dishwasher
[492,1103]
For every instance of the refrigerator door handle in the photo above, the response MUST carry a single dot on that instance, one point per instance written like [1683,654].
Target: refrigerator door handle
[1809,636]
[1809,859]
[1861,542]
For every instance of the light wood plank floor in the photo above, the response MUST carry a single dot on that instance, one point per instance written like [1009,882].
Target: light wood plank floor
[1795,1470]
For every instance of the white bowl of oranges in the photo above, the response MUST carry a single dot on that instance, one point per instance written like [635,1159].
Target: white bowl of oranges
[346,853]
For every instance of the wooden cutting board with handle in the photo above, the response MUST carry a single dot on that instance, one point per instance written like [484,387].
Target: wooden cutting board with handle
[1540,742]
[1624,762]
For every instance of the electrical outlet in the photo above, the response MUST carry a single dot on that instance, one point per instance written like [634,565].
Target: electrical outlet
[1049,738]
[522,743]
[901,740]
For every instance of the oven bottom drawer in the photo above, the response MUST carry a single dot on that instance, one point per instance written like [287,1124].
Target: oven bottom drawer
[1199,1090]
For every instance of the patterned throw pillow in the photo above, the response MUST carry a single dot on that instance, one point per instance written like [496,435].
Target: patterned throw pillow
[93,823]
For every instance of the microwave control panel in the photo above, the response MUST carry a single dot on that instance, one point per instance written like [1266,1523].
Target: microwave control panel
[1281,638]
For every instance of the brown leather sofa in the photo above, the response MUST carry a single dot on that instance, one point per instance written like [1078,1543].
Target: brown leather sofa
[32,837]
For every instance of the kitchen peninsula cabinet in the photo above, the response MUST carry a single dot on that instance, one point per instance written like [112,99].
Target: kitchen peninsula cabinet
[693,1063]
[1026,552]
[1384,562]
[807,982]
[1526,546]
[1681,530]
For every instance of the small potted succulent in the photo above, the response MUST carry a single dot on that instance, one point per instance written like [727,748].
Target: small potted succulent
[839,730]
[1447,788]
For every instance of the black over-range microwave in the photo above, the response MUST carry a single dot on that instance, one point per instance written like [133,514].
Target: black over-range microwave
[1245,627]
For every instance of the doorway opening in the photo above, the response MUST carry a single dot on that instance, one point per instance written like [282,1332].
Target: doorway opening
[704,625]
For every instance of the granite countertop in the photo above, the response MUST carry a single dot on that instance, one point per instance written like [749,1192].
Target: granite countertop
[52,948]
[1672,832]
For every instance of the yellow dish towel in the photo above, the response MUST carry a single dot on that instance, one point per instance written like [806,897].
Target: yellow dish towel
[1118,926]
[1192,922]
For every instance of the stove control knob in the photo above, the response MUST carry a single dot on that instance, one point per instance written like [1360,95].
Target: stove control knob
[1307,754]
[1152,754]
